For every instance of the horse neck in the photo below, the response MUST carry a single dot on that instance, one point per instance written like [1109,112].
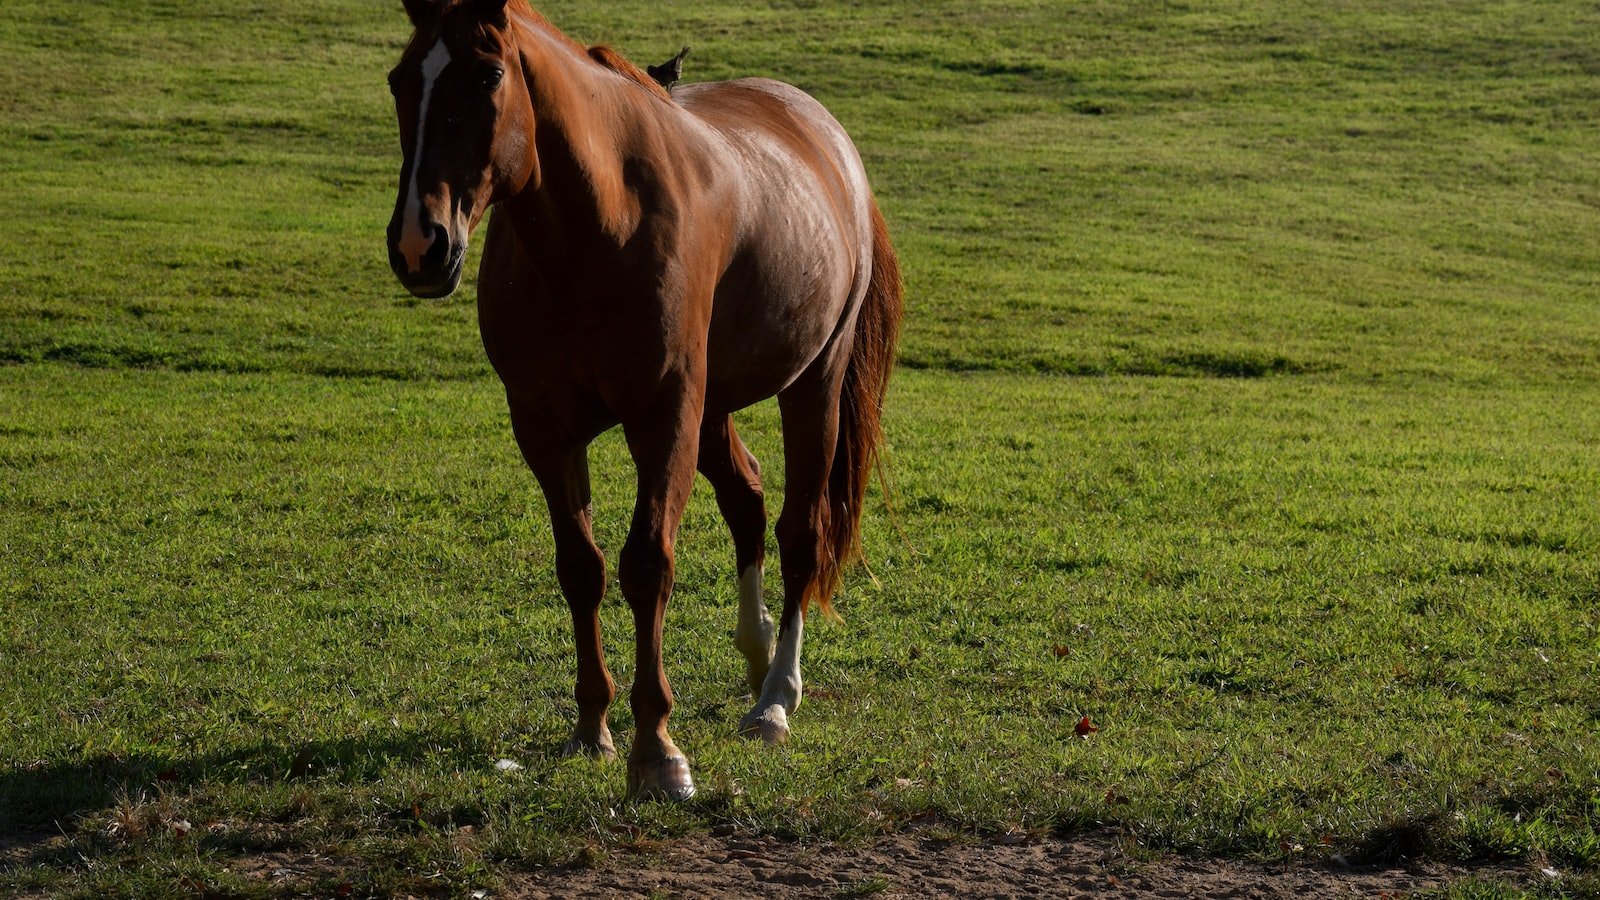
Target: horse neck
[588,119]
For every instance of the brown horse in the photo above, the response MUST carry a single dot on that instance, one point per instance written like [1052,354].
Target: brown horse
[658,261]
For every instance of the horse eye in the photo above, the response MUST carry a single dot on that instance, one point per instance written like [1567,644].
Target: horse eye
[491,78]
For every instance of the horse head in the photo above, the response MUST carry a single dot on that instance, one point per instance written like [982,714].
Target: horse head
[461,98]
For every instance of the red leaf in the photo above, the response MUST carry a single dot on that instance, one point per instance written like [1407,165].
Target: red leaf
[167,775]
[1083,729]
[344,890]
[1059,650]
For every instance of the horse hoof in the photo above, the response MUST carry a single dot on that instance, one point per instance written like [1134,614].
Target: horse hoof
[664,779]
[601,750]
[771,725]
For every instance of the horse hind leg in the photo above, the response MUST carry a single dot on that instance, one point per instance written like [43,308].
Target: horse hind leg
[810,429]
[736,477]
[832,439]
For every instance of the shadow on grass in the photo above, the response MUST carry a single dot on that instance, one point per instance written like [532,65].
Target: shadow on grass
[1244,364]
[132,794]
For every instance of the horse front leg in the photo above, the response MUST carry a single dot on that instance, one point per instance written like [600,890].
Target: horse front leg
[563,474]
[736,476]
[664,447]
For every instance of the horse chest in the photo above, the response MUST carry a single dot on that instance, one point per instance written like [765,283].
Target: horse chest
[582,351]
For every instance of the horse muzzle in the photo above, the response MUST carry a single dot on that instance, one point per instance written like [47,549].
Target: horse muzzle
[429,267]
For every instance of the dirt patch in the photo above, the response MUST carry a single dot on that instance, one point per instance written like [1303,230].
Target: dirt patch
[908,866]
[897,866]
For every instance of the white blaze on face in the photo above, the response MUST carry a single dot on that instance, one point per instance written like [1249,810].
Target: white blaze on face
[413,242]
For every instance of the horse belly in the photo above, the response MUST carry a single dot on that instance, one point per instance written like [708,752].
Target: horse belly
[771,320]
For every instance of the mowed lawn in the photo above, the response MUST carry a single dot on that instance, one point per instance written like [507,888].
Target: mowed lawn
[1249,405]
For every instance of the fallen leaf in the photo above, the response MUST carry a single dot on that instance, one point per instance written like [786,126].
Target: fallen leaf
[167,775]
[1059,650]
[344,890]
[1083,729]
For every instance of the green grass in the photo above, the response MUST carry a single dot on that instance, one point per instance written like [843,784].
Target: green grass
[1248,405]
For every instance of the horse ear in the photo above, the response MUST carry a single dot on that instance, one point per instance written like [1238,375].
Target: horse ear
[494,10]
[421,11]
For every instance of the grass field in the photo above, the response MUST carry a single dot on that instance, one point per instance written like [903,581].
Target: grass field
[1249,404]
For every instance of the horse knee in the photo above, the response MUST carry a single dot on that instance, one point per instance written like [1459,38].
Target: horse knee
[582,574]
[645,568]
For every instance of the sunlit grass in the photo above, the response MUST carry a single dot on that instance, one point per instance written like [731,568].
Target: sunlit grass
[1313,544]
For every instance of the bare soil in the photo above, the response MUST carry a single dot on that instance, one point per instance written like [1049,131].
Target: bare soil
[910,866]
[897,866]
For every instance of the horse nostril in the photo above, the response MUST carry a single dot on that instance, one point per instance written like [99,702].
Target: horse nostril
[438,248]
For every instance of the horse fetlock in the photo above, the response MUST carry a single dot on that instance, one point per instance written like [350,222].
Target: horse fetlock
[756,675]
[756,644]
[755,637]
[755,634]
[585,742]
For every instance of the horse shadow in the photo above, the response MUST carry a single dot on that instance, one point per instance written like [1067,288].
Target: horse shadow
[50,810]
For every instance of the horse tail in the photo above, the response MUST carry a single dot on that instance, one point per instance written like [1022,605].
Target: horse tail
[861,444]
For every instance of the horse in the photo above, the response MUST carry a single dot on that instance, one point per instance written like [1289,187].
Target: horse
[657,261]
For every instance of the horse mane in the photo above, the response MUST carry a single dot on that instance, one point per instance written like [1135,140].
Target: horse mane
[600,53]
[616,62]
